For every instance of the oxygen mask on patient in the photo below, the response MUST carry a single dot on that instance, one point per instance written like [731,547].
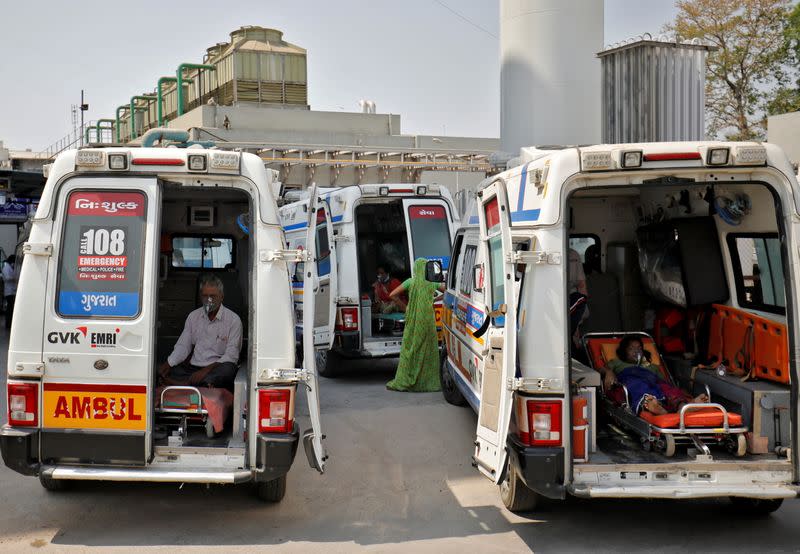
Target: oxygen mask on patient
[210,304]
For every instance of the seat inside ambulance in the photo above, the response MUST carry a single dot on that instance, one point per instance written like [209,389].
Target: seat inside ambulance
[699,267]
[202,232]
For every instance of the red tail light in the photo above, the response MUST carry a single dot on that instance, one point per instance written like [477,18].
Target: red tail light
[273,411]
[23,404]
[349,319]
[544,423]
[672,156]
[157,161]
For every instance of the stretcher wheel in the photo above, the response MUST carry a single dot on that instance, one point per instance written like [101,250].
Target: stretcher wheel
[669,445]
[741,445]
[647,445]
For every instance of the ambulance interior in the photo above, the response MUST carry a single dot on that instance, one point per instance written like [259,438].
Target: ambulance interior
[382,241]
[203,231]
[700,268]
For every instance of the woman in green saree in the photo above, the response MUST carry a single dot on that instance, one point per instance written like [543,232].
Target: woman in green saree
[418,370]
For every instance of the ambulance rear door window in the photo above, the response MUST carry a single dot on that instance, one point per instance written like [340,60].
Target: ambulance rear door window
[101,262]
[430,233]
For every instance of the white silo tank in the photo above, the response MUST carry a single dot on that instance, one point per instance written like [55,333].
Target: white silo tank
[549,73]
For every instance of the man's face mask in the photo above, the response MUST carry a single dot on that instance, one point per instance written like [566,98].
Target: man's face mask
[383,277]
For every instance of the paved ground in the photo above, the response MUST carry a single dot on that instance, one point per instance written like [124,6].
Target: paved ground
[399,479]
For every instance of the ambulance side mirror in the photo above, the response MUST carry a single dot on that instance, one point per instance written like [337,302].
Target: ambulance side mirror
[434,272]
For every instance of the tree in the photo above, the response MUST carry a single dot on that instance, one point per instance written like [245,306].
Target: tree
[787,99]
[749,64]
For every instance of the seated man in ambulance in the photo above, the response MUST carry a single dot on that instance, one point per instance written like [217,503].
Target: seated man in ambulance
[207,352]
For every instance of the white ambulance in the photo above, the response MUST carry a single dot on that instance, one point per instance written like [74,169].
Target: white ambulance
[110,272]
[696,242]
[360,229]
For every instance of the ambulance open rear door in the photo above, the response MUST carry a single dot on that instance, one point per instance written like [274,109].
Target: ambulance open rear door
[98,343]
[501,337]
[319,287]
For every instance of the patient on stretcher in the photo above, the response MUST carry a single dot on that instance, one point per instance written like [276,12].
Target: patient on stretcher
[647,390]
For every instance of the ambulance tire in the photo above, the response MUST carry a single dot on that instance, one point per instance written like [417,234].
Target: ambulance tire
[53,485]
[272,491]
[328,363]
[449,388]
[516,495]
[755,506]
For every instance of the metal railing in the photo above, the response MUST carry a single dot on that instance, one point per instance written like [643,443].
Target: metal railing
[73,139]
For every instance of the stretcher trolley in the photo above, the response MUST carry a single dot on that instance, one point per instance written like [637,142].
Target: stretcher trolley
[697,424]
[183,406]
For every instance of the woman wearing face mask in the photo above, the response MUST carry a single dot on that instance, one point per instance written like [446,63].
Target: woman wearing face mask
[418,369]
[647,390]
[382,289]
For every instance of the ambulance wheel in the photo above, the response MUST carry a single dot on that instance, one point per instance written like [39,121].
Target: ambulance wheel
[272,491]
[449,388]
[328,363]
[52,485]
[756,506]
[516,495]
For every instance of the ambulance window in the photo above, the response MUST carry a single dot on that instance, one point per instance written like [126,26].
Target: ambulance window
[496,269]
[100,268]
[466,269]
[323,247]
[758,271]
[202,252]
[430,233]
[457,258]
[580,243]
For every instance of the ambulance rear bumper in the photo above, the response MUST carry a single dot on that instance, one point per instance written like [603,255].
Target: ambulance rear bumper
[20,448]
[540,468]
[149,475]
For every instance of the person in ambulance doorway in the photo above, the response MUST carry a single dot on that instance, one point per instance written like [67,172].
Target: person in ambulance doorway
[10,277]
[578,296]
[210,343]
[382,289]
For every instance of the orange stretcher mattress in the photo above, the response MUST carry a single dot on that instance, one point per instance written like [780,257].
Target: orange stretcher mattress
[702,417]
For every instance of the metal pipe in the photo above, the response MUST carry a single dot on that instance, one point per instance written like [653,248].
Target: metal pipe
[148,98]
[160,133]
[99,123]
[160,94]
[123,107]
[179,73]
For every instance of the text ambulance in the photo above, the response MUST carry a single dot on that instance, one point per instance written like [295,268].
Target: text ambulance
[696,242]
[110,273]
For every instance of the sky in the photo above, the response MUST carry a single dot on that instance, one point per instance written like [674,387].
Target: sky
[435,62]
